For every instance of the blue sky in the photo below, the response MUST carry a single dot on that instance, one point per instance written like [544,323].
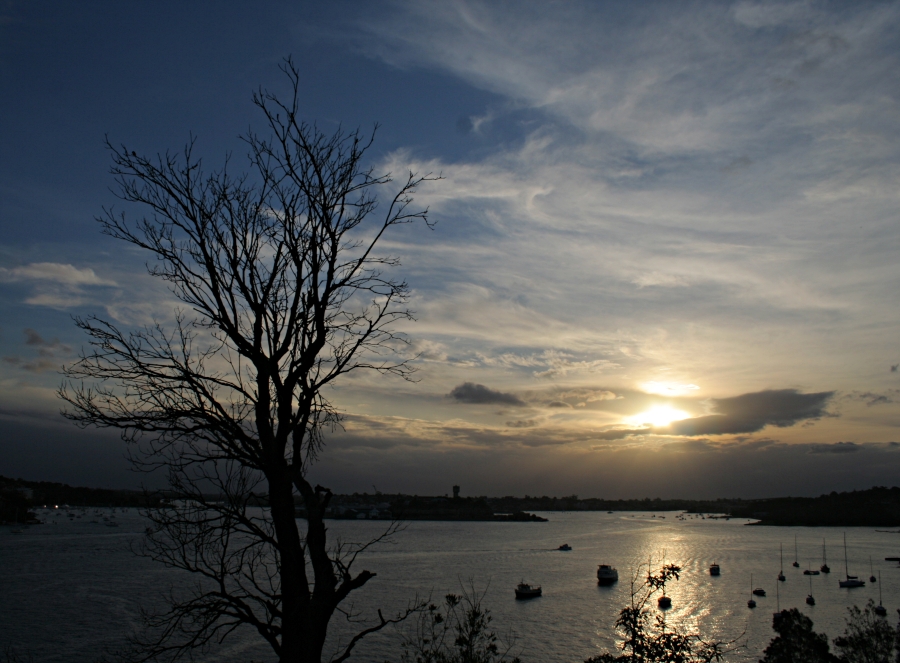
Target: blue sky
[665,259]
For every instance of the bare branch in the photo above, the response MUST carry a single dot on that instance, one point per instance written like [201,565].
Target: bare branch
[285,293]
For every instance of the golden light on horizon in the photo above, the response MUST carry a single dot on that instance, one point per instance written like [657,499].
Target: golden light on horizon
[658,416]
[668,388]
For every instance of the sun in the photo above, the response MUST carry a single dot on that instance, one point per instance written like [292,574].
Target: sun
[658,416]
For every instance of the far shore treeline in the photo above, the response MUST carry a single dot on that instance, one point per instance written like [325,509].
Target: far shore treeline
[875,507]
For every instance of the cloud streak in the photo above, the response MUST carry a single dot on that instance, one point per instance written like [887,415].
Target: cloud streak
[55,285]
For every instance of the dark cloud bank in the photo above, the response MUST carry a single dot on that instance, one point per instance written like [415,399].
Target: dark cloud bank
[750,413]
[469,392]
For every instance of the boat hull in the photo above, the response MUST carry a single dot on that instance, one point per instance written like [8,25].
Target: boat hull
[607,575]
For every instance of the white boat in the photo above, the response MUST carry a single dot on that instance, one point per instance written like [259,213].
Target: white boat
[851,581]
[607,575]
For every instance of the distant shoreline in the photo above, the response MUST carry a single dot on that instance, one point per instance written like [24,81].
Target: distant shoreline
[874,507]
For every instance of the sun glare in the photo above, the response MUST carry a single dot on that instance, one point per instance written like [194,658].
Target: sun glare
[658,416]
[668,388]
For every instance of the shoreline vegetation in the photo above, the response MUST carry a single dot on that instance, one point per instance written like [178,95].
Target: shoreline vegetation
[874,507]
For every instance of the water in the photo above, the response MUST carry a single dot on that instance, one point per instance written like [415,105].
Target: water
[73,588]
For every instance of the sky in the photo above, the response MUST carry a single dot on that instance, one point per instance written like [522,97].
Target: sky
[665,259]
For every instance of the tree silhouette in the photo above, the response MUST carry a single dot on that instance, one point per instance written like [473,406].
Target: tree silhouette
[651,639]
[284,294]
[796,641]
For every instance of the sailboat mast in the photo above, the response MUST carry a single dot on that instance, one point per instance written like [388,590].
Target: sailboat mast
[846,566]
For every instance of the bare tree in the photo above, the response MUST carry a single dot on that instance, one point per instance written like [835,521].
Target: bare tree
[284,295]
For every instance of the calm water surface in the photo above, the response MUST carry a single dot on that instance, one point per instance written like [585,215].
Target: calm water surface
[72,588]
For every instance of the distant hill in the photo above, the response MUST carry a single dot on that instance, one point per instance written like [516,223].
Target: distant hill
[38,493]
[875,507]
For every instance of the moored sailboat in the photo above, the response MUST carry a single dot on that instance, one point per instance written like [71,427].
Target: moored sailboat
[796,564]
[851,581]
[880,610]
[824,568]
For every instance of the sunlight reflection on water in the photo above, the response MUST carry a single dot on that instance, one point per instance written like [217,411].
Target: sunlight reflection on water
[74,588]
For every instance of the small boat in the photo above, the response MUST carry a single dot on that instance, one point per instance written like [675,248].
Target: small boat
[796,564]
[751,603]
[607,575]
[565,547]
[759,591]
[809,597]
[824,568]
[664,602]
[781,568]
[871,572]
[810,572]
[851,581]
[526,591]
[714,570]
[880,610]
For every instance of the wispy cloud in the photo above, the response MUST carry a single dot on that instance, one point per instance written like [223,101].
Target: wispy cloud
[701,191]
[50,354]
[55,285]
[63,274]
[836,448]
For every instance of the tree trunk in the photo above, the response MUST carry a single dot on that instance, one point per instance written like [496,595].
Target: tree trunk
[295,595]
